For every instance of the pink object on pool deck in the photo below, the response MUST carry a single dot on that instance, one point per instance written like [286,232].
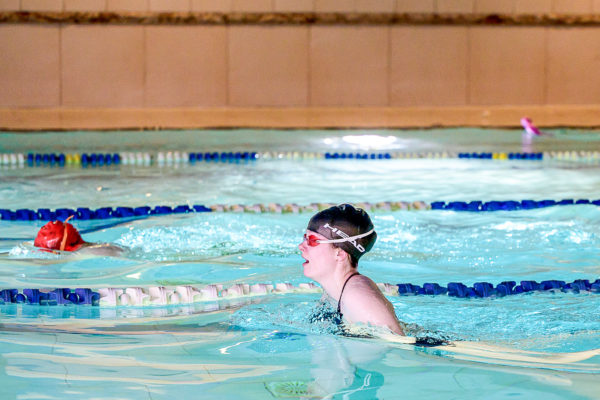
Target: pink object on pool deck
[529,127]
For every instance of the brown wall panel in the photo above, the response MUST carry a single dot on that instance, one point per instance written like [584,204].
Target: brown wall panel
[268,66]
[29,66]
[507,65]
[42,5]
[573,66]
[429,66]
[533,6]
[211,5]
[127,5]
[186,66]
[103,66]
[349,66]
[415,6]
[294,5]
[251,5]
[455,6]
[170,5]
[495,6]
[85,5]
[572,6]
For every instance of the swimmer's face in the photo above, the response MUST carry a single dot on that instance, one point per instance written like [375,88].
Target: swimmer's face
[320,258]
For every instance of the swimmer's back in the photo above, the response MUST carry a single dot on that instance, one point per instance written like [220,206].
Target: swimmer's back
[363,302]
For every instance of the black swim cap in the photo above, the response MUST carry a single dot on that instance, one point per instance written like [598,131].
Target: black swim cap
[339,222]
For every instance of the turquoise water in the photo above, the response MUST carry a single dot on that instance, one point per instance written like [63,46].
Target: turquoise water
[265,347]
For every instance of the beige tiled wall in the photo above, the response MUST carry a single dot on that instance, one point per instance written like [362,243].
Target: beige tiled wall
[84,5]
[349,66]
[42,5]
[211,5]
[170,5]
[495,6]
[572,6]
[533,6]
[506,65]
[295,66]
[417,6]
[294,5]
[573,64]
[186,66]
[102,66]
[423,76]
[252,5]
[127,5]
[268,66]
[455,6]
[29,66]
[9,5]
[368,6]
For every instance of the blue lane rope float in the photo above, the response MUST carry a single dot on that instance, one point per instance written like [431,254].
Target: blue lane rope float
[176,157]
[160,295]
[84,213]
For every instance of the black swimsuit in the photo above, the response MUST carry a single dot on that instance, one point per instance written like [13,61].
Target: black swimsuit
[336,319]
[339,311]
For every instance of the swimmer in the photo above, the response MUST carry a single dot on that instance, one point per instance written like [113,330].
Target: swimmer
[56,235]
[334,241]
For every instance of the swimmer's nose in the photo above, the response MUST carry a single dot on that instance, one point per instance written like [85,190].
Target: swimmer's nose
[302,246]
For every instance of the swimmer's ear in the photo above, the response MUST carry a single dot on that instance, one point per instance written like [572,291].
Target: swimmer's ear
[341,255]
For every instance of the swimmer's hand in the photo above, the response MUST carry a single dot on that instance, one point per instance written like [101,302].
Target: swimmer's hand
[395,338]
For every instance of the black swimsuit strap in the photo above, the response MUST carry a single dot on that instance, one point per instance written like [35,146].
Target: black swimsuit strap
[342,292]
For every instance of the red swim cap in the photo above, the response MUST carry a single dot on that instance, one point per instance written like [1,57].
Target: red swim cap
[52,236]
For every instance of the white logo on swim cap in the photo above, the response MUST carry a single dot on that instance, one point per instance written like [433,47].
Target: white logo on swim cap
[346,237]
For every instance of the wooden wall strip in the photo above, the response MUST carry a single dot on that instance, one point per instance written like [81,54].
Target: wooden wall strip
[303,18]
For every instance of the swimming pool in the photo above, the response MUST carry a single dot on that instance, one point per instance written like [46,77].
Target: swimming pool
[264,346]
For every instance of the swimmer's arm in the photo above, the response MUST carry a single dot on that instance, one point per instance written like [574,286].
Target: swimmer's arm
[101,249]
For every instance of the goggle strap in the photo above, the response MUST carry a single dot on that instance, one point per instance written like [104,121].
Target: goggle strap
[63,243]
[342,240]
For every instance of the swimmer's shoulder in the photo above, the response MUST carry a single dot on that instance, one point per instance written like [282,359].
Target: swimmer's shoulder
[101,249]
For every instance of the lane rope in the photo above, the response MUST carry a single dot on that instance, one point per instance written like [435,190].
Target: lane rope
[179,157]
[186,294]
[85,213]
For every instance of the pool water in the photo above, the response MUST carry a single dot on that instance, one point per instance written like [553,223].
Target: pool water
[266,347]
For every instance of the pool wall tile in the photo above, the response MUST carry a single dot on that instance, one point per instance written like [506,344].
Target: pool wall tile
[573,65]
[170,5]
[533,6]
[222,6]
[32,78]
[186,66]
[294,5]
[428,66]
[103,66]
[349,66]
[370,6]
[415,6]
[572,6]
[127,5]
[455,6]
[252,5]
[85,5]
[495,54]
[268,66]
[42,5]
[334,6]
[494,6]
